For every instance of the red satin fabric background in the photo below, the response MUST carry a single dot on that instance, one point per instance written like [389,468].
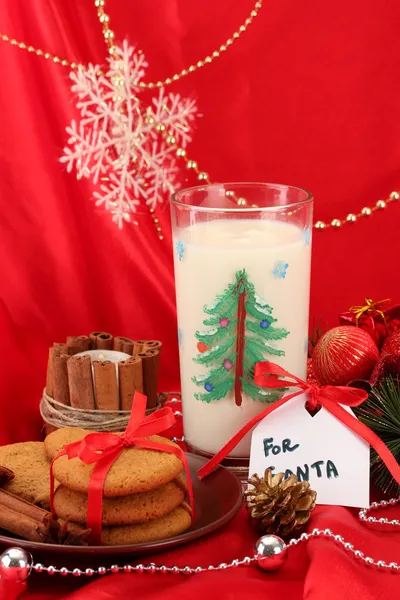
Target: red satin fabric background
[308,96]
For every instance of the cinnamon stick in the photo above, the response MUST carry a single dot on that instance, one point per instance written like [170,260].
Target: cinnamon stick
[138,346]
[60,378]
[56,350]
[154,344]
[105,341]
[80,382]
[123,344]
[130,377]
[101,340]
[30,522]
[22,518]
[93,339]
[60,348]
[50,376]
[105,385]
[20,525]
[151,365]
[78,343]
[6,475]
[17,504]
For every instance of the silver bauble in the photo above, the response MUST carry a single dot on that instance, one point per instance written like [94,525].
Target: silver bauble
[15,564]
[271,552]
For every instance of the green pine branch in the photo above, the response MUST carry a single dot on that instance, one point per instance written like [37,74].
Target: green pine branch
[315,334]
[252,355]
[214,376]
[212,321]
[220,391]
[257,393]
[269,333]
[381,413]
[220,333]
[254,311]
[264,348]
[219,351]
[226,306]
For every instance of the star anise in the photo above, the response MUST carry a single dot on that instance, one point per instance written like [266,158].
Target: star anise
[65,533]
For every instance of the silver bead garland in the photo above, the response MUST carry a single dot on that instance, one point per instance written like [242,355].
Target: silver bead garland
[270,551]
[270,554]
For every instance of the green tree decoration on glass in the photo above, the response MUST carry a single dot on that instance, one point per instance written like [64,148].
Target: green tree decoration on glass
[241,329]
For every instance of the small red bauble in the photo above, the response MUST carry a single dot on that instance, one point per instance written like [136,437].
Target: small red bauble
[389,363]
[201,346]
[344,354]
[392,344]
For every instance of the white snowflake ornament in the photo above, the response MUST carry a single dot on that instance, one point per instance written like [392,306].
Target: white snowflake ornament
[117,143]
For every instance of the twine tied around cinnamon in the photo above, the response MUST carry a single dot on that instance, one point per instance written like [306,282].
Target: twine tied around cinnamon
[61,415]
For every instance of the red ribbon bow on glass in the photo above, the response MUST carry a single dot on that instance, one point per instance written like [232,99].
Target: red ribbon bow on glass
[103,449]
[267,375]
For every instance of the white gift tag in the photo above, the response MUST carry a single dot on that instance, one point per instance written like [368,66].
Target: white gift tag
[320,449]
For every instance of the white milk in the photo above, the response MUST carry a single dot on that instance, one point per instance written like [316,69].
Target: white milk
[212,254]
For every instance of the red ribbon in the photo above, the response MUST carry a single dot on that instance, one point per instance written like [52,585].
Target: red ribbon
[103,449]
[267,375]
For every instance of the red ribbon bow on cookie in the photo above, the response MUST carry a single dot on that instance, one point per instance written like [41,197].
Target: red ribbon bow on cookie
[103,449]
[267,375]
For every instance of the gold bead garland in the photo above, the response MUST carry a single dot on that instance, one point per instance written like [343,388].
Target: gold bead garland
[367,211]
[202,176]
[48,55]
[109,38]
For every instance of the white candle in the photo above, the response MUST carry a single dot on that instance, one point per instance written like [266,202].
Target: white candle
[112,355]
[275,258]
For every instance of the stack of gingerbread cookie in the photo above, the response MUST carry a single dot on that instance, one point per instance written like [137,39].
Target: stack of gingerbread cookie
[143,496]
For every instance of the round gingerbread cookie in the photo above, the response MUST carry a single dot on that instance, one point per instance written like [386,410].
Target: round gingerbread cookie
[31,467]
[170,525]
[56,440]
[125,510]
[135,470]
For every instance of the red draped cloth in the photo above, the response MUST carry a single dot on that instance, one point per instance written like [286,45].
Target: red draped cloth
[309,96]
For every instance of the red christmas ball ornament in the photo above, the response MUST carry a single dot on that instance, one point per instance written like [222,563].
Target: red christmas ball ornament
[344,354]
[201,346]
[389,362]
[392,344]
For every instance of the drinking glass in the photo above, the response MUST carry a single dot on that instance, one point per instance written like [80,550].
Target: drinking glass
[242,270]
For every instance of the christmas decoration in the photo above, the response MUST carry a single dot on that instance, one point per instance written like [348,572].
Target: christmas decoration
[381,413]
[316,332]
[180,250]
[389,362]
[310,373]
[240,333]
[280,506]
[271,552]
[15,564]
[280,269]
[375,318]
[344,354]
[116,144]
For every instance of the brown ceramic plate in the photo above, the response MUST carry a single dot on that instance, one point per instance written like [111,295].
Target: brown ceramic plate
[218,498]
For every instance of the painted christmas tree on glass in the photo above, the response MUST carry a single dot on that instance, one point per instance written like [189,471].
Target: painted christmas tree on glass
[240,331]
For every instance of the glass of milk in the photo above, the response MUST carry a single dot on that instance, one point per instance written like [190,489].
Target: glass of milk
[242,271]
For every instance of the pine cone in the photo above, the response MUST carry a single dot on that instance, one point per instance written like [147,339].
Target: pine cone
[280,506]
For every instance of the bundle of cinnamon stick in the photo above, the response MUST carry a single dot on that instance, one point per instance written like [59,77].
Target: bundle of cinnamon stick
[81,383]
[26,520]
